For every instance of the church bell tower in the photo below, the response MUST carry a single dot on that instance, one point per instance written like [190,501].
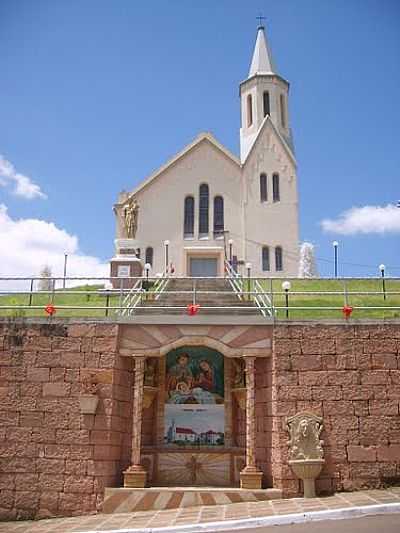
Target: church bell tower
[264,93]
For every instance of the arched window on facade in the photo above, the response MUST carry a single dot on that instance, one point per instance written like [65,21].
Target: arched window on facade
[218,216]
[265,259]
[283,110]
[267,110]
[263,188]
[203,210]
[276,194]
[278,259]
[149,255]
[188,218]
[249,110]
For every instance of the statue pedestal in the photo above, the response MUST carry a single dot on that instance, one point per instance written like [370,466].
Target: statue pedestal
[135,477]
[250,478]
[125,267]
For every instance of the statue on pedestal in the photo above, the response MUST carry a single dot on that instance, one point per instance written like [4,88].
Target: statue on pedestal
[131,215]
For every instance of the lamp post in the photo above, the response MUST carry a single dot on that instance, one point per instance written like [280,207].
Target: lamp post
[230,242]
[382,269]
[286,285]
[65,268]
[166,245]
[335,245]
[248,268]
[147,268]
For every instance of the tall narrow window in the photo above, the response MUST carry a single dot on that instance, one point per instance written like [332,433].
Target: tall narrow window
[203,210]
[278,259]
[249,110]
[149,255]
[218,216]
[188,219]
[266,103]
[283,110]
[265,259]
[263,188]
[137,253]
[276,195]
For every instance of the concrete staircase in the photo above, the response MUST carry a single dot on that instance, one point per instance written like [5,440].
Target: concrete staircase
[226,298]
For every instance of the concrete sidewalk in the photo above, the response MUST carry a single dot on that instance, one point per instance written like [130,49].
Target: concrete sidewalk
[217,513]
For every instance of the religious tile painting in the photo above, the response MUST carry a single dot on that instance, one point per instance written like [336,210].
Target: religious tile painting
[194,410]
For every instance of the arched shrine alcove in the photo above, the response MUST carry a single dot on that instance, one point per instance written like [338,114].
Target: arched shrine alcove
[197,426]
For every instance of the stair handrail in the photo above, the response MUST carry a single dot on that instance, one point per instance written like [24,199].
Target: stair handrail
[132,299]
[161,284]
[235,280]
[262,300]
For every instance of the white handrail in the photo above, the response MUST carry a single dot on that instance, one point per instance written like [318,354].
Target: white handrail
[262,300]
[235,280]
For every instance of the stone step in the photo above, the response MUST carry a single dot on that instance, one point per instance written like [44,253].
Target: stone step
[126,500]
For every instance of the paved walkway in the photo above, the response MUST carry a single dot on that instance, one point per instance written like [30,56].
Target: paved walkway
[197,515]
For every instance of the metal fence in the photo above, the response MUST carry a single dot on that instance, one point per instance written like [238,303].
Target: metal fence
[273,297]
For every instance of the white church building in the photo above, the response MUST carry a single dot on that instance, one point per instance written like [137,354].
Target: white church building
[207,205]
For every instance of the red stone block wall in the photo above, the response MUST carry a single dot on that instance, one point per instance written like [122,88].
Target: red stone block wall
[349,375]
[53,460]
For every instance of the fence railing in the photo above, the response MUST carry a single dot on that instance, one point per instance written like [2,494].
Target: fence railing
[104,296]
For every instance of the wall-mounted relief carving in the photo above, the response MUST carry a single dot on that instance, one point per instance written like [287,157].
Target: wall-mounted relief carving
[239,382]
[305,430]
[150,372]
[305,449]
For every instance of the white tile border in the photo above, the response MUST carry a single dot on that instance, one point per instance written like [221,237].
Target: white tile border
[293,518]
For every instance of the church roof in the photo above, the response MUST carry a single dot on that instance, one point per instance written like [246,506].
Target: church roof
[262,62]
[204,136]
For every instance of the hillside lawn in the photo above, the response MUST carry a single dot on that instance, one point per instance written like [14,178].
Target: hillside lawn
[94,300]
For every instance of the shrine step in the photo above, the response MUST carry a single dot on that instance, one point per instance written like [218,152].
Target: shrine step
[122,500]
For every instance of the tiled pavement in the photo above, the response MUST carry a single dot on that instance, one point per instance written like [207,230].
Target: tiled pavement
[194,515]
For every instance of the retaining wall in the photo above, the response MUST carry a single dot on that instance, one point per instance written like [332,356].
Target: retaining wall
[56,462]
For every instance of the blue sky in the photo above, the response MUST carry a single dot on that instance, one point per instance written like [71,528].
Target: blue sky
[96,94]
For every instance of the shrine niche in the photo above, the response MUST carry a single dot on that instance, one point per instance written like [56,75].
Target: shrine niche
[194,398]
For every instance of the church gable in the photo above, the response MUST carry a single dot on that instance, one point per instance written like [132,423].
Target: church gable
[269,145]
[205,154]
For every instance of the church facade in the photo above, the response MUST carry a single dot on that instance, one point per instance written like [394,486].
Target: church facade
[206,205]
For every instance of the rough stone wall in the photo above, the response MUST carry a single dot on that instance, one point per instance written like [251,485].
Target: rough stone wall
[349,375]
[53,460]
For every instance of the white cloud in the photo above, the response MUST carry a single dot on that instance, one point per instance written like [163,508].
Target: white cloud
[26,245]
[367,219]
[23,185]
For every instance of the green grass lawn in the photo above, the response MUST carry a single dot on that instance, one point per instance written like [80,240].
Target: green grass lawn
[92,302]
[296,299]
[79,298]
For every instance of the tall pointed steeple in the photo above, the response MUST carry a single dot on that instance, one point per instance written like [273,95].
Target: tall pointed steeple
[263,94]
[262,62]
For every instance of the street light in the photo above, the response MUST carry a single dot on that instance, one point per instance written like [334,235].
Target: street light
[230,242]
[335,245]
[286,286]
[166,244]
[65,269]
[382,269]
[248,268]
[147,268]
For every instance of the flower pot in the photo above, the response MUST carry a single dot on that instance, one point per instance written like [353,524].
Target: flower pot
[88,404]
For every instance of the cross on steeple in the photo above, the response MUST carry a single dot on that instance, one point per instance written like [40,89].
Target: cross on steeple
[260,19]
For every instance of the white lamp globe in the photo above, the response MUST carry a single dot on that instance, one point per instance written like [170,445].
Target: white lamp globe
[147,266]
[335,244]
[166,243]
[286,285]
[382,267]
